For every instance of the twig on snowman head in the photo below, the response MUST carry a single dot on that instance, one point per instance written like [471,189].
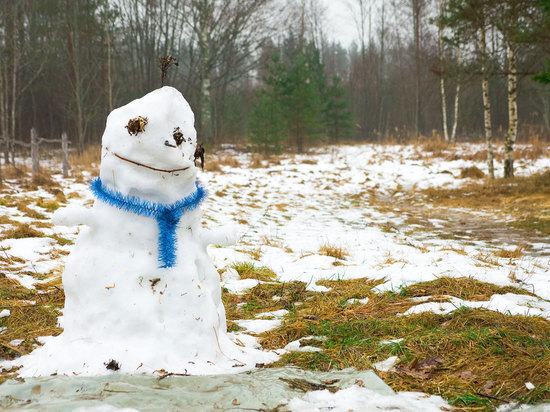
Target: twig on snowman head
[164,63]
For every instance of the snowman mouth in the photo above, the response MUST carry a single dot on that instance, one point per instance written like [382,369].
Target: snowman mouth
[144,165]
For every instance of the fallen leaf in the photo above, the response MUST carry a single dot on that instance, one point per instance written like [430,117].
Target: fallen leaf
[36,390]
[422,369]
[235,402]
[489,385]
[466,375]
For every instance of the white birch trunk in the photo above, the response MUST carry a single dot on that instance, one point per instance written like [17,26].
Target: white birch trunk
[512,113]
[457,94]
[487,106]
[109,76]
[205,105]
[442,75]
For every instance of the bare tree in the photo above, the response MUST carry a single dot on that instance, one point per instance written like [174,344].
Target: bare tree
[227,34]
[442,71]
[417,8]
[14,62]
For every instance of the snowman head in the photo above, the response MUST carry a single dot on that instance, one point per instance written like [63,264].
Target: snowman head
[148,147]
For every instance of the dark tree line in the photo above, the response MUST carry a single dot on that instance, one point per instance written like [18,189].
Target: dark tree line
[267,72]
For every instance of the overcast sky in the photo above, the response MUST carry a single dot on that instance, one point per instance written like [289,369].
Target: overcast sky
[341,26]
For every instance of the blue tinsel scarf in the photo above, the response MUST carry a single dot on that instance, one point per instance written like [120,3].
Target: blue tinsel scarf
[167,216]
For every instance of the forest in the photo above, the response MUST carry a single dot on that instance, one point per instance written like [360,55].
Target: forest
[266,74]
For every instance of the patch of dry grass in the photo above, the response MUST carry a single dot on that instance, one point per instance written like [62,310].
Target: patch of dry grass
[256,162]
[21,231]
[463,288]
[248,270]
[89,159]
[472,172]
[337,252]
[49,205]
[525,198]
[266,240]
[482,355]
[435,145]
[227,160]
[33,313]
[533,150]
[517,253]
[12,171]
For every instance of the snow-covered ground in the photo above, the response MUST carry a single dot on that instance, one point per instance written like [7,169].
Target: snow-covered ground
[290,210]
[287,211]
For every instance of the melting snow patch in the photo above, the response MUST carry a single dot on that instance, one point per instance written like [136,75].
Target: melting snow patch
[314,287]
[259,325]
[361,301]
[294,346]
[388,342]
[385,365]
[509,304]
[275,314]
[240,286]
[361,399]
[4,313]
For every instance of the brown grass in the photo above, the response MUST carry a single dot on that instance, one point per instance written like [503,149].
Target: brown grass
[334,251]
[525,198]
[20,232]
[256,162]
[475,346]
[18,171]
[472,172]
[535,149]
[85,160]
[226,160]
[27,320]
[266,240]
[463,288]
[517,253]
[436,146]
[248,270]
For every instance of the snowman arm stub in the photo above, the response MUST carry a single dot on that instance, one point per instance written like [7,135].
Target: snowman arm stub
[221,236]
[73,215]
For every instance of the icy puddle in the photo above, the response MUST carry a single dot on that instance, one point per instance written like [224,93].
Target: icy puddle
[256,390]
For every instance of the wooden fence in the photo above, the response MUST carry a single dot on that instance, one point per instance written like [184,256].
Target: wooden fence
[34,145]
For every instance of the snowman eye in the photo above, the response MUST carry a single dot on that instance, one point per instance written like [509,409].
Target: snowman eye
[178,136]
[136,125]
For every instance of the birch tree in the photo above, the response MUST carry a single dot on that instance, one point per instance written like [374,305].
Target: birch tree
[470,21]
[514,20]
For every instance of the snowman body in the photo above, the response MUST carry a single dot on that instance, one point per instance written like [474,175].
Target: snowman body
[142,294]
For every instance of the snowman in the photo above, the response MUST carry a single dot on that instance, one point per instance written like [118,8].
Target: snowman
[142,295]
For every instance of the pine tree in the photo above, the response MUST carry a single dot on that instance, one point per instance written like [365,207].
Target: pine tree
[544,77]
[267,123]
[338,118]
[301,96]
[292,102]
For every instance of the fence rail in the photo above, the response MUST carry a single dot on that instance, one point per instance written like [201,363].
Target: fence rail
[34,145]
